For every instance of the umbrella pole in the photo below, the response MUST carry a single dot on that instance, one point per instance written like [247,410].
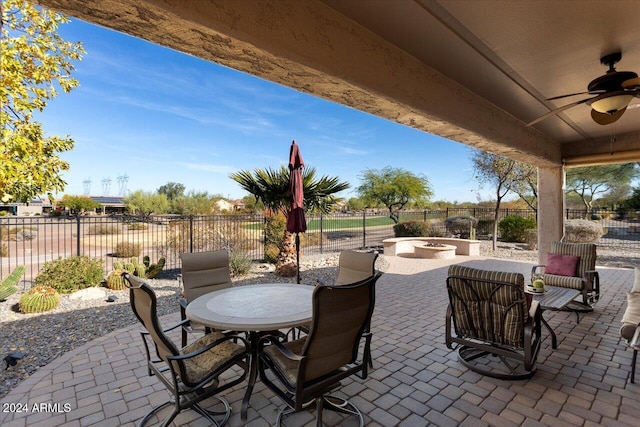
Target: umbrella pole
[298,255]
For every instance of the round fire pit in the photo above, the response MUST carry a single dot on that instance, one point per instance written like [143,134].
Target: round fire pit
[434,251]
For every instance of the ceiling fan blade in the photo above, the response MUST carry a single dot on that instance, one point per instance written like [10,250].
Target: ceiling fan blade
[575,94]
[558,110]
[606,119]
[631,84]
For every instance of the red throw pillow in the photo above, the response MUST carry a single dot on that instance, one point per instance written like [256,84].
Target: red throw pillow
[561,265]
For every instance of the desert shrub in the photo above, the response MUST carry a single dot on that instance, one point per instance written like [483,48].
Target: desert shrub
[582,231]
[4,213]
[126,250]
[411,229]
[271,253]
[239,262]
[513,228]
[137,226]
[55,213]
[596,217]
[70,274]
[532,238]
[313,239]
[4,250]
[103,229]
[26,233]
[461,225]
[274,226]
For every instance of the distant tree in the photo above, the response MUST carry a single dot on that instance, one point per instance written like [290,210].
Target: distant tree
[525,183]
[271,187]
[77,204]
[393,188]
[146,203]
[172,190]
[499,172]
[588,182]
[355,204]
[35,62]
[633,202]
[193,203]
[252,204]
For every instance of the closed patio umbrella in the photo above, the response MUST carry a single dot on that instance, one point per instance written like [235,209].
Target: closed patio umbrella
[296,222]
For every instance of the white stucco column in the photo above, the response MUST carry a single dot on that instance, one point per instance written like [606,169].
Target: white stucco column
[550,208]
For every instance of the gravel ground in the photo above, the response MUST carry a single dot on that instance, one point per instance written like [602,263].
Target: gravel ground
[45,336]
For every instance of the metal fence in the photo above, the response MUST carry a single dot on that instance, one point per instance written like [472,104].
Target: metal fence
[34,240]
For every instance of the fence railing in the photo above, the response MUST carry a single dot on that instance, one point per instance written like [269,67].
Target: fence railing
[34,240]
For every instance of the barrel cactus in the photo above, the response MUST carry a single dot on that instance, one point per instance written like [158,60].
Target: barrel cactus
[8,285]
[39,299]
[115,281]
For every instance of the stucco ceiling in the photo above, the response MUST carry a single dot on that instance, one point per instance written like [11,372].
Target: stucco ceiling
[471,71]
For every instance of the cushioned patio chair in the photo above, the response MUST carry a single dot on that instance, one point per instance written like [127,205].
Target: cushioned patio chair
[202,272]
[573,265]
[307,369]
[191,374]
[491,324]
[354,266]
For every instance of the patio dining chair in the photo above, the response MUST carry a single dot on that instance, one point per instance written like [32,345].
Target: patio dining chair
[490,322]
[573,265]
[191,374]
[202,272]
[304,371]
[355,266]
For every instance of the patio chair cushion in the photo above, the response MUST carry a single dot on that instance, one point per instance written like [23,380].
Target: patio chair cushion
[632,312]
[198,367]
[287,367]
[562,265]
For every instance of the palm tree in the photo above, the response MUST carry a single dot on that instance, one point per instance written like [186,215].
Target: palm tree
[271,187]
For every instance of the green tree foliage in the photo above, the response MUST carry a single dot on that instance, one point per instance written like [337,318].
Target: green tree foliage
[77,204]
[355,204]
[393,188]
[36,62]
[633,202]
[498,172]
[172,190]
[146,203]
[271,187]
[590,181]
[193,203]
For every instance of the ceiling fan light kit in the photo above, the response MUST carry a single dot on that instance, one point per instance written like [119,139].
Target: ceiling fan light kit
[613,92]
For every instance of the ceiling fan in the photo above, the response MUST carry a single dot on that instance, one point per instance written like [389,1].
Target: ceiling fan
[613,92]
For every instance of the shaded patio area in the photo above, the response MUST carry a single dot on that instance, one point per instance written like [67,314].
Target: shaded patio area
[416,380]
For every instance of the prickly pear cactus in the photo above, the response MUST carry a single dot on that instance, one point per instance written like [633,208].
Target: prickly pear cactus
[39,299]
[8,285]
[115,281]
[154,269]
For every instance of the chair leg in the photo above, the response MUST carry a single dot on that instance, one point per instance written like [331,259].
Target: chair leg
[633,366]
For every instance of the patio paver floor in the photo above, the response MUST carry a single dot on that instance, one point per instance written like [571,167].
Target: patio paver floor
[416,380]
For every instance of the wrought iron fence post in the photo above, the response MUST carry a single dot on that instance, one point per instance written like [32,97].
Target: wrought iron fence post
[78,234]
[321,228]
[364,229]
[190,233]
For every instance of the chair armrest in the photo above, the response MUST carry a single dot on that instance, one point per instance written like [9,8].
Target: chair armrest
[183,308]
[176,325]
[284,350]
[535,306]
[536,267]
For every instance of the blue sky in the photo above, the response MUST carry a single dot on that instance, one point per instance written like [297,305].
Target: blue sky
[158,116]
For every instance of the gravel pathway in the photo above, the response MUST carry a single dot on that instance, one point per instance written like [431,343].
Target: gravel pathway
[45,336]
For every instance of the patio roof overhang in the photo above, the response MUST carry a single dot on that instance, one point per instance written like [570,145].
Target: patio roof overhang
[472,72]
